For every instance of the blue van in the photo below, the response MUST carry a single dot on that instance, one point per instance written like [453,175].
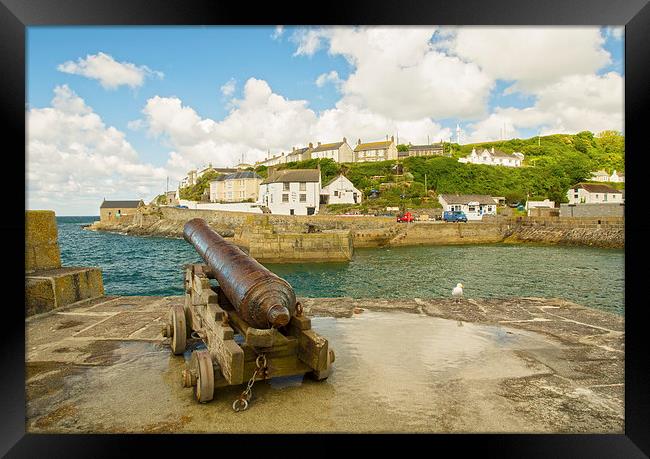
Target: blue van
[454,216]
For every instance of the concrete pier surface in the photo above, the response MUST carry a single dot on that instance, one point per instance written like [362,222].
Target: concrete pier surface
[418,365]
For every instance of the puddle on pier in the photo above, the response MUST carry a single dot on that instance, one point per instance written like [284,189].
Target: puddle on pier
[393,372]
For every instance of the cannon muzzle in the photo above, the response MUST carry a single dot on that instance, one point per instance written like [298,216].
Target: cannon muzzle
[263,299]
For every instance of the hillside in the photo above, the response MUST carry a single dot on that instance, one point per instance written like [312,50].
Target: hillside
[552,165]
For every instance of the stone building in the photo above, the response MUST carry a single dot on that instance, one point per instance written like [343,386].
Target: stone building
[112,210]
[235,187]
[426,150]
[291,191]
[375,151]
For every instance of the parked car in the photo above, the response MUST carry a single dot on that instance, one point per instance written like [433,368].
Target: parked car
[454,216]
[405,218]
[181,207]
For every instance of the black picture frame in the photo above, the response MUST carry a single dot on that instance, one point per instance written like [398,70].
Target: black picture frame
[16,15]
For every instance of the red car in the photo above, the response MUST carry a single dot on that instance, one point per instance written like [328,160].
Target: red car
[407,217]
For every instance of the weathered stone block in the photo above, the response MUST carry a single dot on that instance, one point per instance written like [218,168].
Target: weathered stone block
[41,245]
[49,289]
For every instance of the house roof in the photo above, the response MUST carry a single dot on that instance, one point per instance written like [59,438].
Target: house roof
[465,198]
[328,146]
[593,188]
[600,172]
[298,151]
[293,175]
[121,204]
[334,180]
[237,176]
[373,145]
[435,146]
[503,154]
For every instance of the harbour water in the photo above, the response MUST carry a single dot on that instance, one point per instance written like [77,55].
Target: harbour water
[153,266]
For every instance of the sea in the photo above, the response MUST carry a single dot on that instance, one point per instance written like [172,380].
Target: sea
[594,277]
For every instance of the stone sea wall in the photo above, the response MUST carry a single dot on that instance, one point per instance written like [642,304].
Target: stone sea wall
[297,238]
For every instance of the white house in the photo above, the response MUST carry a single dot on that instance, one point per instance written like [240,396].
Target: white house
[338,151]
[291,191]
[589,193]
[475,206]
[599,176]
[617,177]
[545,203]
[493,158]
[340,190]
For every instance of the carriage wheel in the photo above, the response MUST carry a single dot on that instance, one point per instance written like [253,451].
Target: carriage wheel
[202,364]
[178,328]
[323,375]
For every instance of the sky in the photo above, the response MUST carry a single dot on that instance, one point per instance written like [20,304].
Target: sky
[119,112]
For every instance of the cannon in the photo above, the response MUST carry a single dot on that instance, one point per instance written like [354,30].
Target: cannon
[250,322]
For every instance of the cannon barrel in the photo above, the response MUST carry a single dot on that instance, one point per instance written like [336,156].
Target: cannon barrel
[263,299]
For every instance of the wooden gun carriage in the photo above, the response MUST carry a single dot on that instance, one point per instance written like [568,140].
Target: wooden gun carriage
[236,351]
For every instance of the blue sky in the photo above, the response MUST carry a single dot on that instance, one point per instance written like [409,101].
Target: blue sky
[413,81]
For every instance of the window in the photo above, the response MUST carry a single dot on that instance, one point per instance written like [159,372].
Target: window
[303,198]
[285,197]
[471,208]
[303,186]
[596,196]
[336,193]
[285,186]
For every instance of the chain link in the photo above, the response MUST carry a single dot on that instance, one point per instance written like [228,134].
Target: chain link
[241,404]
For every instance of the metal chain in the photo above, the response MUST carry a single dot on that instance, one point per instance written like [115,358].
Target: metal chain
[241,404]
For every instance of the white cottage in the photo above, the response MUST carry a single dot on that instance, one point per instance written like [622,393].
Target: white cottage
[589,193]
[475,206]
[338,151]
[340,190]
[493,158]
[291,191]
[617,177]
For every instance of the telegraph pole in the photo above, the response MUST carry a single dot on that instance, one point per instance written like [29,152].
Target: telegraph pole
[425,185]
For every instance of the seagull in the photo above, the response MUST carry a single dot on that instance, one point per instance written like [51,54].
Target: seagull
[457,292]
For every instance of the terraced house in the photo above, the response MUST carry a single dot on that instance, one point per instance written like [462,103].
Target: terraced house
[375,151]
[337,151]
[235,187]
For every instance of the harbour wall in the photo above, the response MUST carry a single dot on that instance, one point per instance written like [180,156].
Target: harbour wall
[319,237]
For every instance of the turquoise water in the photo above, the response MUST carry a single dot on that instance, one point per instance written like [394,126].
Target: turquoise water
[153,266]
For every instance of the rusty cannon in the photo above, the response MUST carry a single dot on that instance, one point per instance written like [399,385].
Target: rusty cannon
[250,323]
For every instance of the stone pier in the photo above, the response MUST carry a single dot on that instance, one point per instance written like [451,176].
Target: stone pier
[48,285]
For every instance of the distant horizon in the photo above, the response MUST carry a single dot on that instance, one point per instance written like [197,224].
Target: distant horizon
[118,111]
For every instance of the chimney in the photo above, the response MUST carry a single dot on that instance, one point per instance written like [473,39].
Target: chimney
[293,148]
[392,138]
[311,145]
[319,144]
[359,142]
[492,150]
[345,140]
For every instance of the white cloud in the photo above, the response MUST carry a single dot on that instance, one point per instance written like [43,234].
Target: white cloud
[533,56]
[277,33]
[616,32]
[74,160]
[228,88]
[308,41]
[110,73]
[263,121]
[399,74]
[574,103]
[330,77]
